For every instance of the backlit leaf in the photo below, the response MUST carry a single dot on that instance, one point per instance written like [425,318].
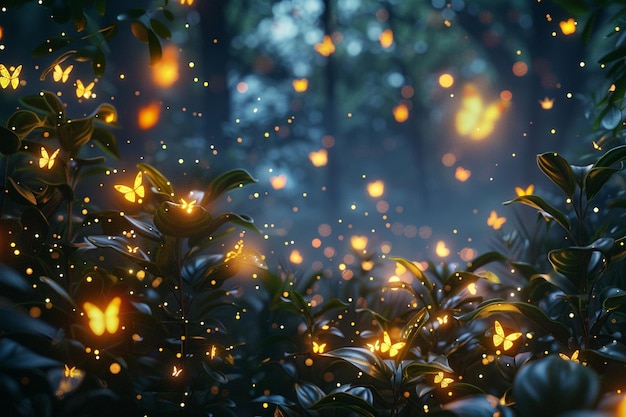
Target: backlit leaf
[558,170]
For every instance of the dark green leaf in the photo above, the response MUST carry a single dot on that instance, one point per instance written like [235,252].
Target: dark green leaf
[417,273]
[172,220]
[46,102]
[160,29]
[332,304]
[58,289]
[83,162]
[74,134]
[51,45]
[595,180]
[158,180]
[106,141]
[485,259]
[105,114]
[555,167]
[578,262]
[86,53]
[308,394]
[614,301]
[225,182]
[614,55]
[139,30]
[558,280]
[169,16]
[544,207]
[22,122]
[21,193]
[9,141]
[364,360]
[154,48]
[611,157]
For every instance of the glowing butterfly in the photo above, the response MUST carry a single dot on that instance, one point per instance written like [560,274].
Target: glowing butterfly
[176,371]
[318,348]
[393,349]
[107,320]
[300,85]
[213,352]
[326,47]
[72,372]
[6,77]
[47,159]
[440,379]
[462,174]
[568,27]
[132,249]
[495,221]
[499,338]
[546,103]
[187,206]
[475,118]
[375,347]
[82,90]
[61,74]
[134,193]
[573,358]
[522,192]
[235,252]
[189,2]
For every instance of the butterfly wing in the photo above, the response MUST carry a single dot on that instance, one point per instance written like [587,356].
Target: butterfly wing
[52,158]
[96,318]
[386,345]
[15,81]
[509,339]
[498,337]
[80,88]
[45,158]
[111,315]
[395,348]
[138,186]
[88,89]
[5,76]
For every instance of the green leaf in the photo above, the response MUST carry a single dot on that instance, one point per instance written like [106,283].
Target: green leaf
[464,278]
[158,180]
[332,304]
[9,141]
[363,360]
[595,180]
[51,45]
[74,134]
[105,114]
[614,298]
[558,170]
[46,102]
[578,262]
[345,401]
[22,122]
[485,259]
[172,220]
[418,274]
[225,182]
[544,207]
[558,280]
[106,141]
[21,193]
[614,55]
[160,29]
[611,157]
[308,394]
[154,48]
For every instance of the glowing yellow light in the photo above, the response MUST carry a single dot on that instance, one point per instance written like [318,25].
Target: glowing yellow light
[148,116]
[107,320]
[386,38]
[47,160]
[319,158]
[376,188]
[358,243]
[392,348]
[60,74]
[522,192]
[500,338]
[441,250]
[568,27]
[495,221]
[295,257]
[134,193]
[115,368]
[474,119]
[278,182]
[187,206]
[401,113]
[547,103]
[10,76]
[84,91]
[235,252]
[446,80]
[326,47]
[189,2]
[318,348]
[472,288]
[444,381]
[71,372]
[573,358]
[176,371]
[462,174]
[300,85]
[165,71]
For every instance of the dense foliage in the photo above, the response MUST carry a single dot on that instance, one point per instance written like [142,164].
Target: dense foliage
[163,309]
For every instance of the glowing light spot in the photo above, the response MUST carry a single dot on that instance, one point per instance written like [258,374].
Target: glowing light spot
[520,69]
[547,103]
[358,243]
[386,38]
[278,182]
[326,47]
[495,221]
[295,257]
[165,71]
[47,160]
[568,27]
[242,87]
[401,113]
[472,288]
[462,174]
[115,368]
[446,80]
[442,380]
[148,115]
[475,119]
[441,250]
[319,158]
[376,188]
[300,85]
[527,191]
[448,159]
[319,348]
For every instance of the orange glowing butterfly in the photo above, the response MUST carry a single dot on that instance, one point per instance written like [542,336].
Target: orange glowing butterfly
[60,74]
[443,381]
[107,320]
[82,90]
[500,338]
[7,77]
[387,346]
[495,221]
[318,348]
[47,159]
[134,193]
[522,192]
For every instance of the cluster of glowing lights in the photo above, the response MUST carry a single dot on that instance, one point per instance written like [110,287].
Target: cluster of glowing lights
[148,116]
[135,193]
[386,346]
[104,321]
[326,47]
[319,347]
[462,174]
[47,160]
[10,76]
[568,27]
[237,250]
[494,221]
[500,338]
[84,91]
[475,118]
[376,189]
[300,85]
[319,158]
[386,38]
[401,113]
[547,103]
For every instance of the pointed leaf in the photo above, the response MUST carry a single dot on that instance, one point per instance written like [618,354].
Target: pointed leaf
[160,29]
[106,141]
[154,47]
[58,289]
[364,360]
[612,118]
[544,208]
[22,122]
[555,167]
[46,102]
[158,180]
[308,394]
[51,45]
[558,280]
[485,259]
[611,157]
[74,134]
[225,182]
[595,180]
[332,304]
[139,30]
[21,193]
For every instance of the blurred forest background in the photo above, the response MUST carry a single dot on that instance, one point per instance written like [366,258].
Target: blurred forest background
[406,122]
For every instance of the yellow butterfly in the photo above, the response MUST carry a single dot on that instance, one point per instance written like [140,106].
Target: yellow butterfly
[71,372]
[375,347]
[476,119]
[176,371]
[47,159]
[132,249]
[136,193]
[318,348]
[189,2]
[499,338]
[440,379]
[495,221]
[573,358]
[213,352]
[61,74]
[82,90]
[107,320]
[393,349]
[522,192]
[6,77]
